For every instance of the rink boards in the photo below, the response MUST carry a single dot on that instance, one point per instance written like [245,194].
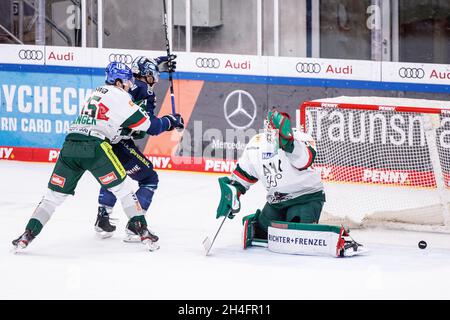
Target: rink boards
[43,87]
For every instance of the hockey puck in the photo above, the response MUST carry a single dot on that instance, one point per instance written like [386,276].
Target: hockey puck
[422,244]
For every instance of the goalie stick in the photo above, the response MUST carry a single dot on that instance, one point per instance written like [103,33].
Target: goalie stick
[207,244]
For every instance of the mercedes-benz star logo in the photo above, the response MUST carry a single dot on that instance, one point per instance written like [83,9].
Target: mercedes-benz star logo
[240,109]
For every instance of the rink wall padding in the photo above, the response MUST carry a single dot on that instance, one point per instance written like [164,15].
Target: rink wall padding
[42,89]
[167,143]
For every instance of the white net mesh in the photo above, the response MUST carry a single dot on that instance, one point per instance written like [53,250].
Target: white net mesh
[382,166]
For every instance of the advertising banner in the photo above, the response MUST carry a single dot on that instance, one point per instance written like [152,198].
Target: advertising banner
[37,108]
[380,144]
[416,73]
[222,98]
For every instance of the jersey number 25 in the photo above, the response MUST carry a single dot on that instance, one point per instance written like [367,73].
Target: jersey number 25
[95,109]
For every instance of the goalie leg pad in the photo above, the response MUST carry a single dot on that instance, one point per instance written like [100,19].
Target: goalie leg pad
[252,235]
[311,239]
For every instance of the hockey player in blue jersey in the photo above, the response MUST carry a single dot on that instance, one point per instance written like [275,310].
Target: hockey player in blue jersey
[146,73]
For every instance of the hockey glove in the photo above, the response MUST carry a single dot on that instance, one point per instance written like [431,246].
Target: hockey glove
[136,135]
[230,191]
[127,132]
[166,63]
[282,122]
[175,121]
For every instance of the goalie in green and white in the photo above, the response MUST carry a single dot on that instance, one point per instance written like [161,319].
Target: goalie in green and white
[288,223]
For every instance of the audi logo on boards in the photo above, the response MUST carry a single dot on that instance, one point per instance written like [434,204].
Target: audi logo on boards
[31,54]
[307,67]
[120,57]
[411,73]
[212,63]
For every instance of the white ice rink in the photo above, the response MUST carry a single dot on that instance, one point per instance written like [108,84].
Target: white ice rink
[68,261]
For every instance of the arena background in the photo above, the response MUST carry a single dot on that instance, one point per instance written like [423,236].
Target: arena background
[42,88]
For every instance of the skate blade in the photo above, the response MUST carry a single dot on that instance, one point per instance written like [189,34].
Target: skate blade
[132,239]
[152,246]
[104,234]
[351,253]
[14,250]
[17,248]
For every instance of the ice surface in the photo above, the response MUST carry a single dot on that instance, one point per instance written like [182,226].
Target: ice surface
[68,261]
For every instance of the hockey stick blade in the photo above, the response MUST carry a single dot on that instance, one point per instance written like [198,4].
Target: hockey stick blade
[207,244]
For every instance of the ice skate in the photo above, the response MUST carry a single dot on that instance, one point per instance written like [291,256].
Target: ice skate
[103,226]
[23,241]
[351,248]
[137,232]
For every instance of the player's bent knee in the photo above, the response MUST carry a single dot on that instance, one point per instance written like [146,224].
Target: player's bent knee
[47,206]
[130,203]
[121,190]
[151,180]
[106,198]
[145,195]
[55,197]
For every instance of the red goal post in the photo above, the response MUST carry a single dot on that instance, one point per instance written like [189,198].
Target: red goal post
[383,160]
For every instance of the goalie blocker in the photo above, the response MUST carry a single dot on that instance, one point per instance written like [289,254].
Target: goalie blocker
[303,238]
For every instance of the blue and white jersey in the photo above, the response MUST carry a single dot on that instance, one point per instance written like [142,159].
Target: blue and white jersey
[143,95]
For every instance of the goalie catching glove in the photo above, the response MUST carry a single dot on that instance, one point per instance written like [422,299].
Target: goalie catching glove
[282,122]
[230,191]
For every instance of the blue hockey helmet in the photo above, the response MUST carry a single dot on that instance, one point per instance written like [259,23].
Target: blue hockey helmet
[118,70]
[145,67]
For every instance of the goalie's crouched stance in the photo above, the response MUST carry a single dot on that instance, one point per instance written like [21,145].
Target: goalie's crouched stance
[300,238]
[288,223]
[273,228]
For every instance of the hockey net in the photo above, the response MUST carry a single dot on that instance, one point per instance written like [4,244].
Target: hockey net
[384,161]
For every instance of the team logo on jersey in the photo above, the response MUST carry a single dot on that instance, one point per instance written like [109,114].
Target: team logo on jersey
[279,197]
[267,155]
[102,110]
[108,178]
[273,173]
[58,180]
[240,109]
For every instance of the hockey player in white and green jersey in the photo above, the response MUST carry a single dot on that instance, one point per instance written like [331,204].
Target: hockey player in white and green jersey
[282,160]
[87,147]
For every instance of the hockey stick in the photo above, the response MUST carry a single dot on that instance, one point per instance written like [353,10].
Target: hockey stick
[172,96]
[207,244]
